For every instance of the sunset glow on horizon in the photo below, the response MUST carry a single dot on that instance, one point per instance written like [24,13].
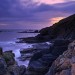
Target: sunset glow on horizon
[56,19]
[49,1]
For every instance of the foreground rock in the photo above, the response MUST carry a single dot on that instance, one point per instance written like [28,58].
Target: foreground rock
[42,60]
[65,63]
[8,65]
[37,47]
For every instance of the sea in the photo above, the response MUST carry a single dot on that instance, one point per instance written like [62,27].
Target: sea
[8,38]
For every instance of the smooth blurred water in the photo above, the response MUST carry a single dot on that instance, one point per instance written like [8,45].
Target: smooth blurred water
[8,40]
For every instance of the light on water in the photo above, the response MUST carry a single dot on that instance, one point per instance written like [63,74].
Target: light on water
[15,47]
[8,42]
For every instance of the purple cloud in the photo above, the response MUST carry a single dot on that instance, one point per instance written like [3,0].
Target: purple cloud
[13,11]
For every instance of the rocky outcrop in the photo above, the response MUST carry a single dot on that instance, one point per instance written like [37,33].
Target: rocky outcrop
[27,53]
[8,65]
[42,60]
[65,63]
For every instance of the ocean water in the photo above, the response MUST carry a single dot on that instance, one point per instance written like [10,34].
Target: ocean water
[8,40]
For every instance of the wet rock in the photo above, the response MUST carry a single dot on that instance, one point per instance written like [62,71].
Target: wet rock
[41,65]
[34,51]
[42,60]
[41,46]
[28,50]
[2,66]
[14,70]
[25,57]
[22,70]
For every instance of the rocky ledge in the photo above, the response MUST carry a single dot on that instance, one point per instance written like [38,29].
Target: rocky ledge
[8,65]
[65,63]
[42,60]
[29,52]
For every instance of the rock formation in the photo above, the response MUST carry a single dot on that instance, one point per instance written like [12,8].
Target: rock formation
[8,65]
[65,63]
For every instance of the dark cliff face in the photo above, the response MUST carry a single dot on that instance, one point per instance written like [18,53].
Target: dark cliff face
[64,29]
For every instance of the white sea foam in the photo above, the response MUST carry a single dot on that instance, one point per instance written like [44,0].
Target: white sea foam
[7,42]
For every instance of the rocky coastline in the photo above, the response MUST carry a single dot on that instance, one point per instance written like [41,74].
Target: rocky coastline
[53,52]
[60,35]
[8,65]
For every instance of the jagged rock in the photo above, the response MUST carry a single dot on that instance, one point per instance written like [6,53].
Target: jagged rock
[41,46]
[42,60]
[28,50]
[2,66]
[22,70]
[36,48]
[65,63]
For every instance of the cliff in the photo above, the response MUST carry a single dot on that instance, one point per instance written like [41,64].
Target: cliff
[65,63]
[64,29]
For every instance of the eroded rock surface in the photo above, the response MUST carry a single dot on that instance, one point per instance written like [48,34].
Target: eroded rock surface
[65,63]
[8,65]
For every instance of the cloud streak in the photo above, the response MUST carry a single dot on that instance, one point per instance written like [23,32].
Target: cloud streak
[23,11]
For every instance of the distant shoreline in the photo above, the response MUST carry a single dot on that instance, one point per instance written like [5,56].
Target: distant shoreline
[29,31]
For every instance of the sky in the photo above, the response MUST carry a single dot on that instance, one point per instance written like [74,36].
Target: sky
[33,14]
